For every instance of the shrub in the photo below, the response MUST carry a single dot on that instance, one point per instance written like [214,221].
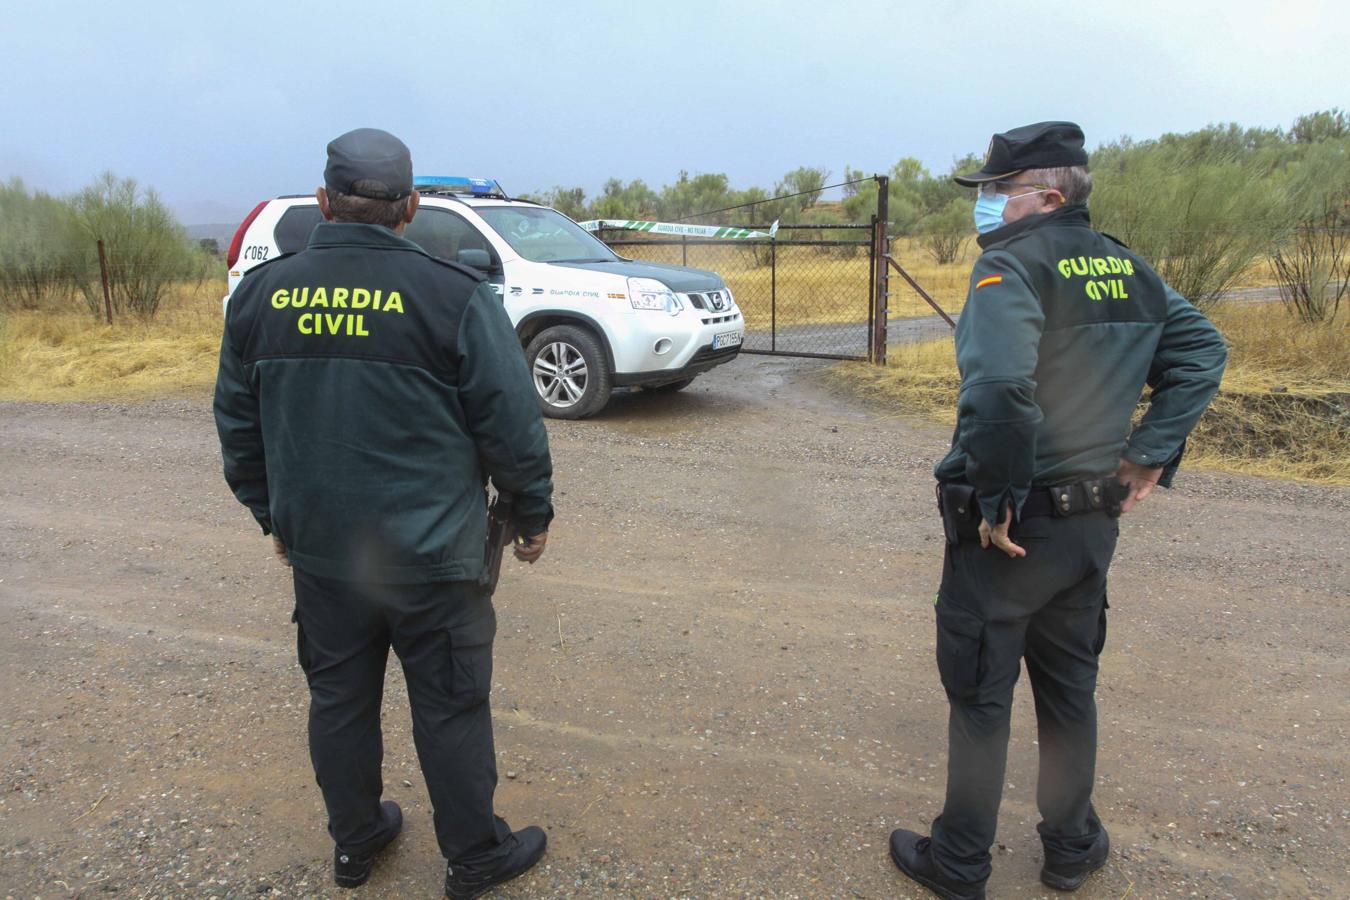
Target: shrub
[146,248]
[37,237]
[946,232]
[1198,209]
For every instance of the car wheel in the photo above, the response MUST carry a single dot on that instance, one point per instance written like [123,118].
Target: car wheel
[669,387]
[569,372]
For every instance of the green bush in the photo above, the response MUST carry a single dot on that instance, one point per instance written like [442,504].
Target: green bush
[146,248]
[38,237]
[1201,208]
[946,232]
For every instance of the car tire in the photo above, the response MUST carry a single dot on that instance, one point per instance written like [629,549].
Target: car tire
[570,374]
[669,387]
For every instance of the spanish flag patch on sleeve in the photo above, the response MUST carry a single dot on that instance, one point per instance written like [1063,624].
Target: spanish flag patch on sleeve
[985,282]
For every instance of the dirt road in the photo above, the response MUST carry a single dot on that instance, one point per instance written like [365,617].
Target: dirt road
[719,683]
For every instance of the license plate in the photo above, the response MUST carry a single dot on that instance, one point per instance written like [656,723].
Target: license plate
[726,339]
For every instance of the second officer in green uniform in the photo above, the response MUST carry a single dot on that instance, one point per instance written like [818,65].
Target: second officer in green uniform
[1063,327]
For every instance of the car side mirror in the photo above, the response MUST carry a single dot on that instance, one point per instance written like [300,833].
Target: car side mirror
[477,259]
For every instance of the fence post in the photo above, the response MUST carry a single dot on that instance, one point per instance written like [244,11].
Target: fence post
[871,286]
[880,308]
[773,294]
[684,249]
[107,291]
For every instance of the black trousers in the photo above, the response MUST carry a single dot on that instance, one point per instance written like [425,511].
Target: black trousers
[443,635]
[1048,607]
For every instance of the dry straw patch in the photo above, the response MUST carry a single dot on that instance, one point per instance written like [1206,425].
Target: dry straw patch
[62,353]
[816,286]
[1283,410]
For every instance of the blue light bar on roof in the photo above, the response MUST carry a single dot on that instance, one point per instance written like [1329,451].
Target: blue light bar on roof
[457,183]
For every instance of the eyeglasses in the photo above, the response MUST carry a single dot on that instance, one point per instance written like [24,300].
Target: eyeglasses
[990,188]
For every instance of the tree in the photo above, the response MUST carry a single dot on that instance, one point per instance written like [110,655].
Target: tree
[1313,264]
[1326,125]
[571,202]
[147,250]
[633,200]
[689,197]
[37,241]
[1201,207]
[946,231]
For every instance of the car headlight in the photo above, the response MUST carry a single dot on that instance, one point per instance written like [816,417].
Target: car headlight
[648,293]
[731,301]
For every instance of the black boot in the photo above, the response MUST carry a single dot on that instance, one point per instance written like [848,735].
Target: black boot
[1071,877]
[351,870]
[465,883]
[912,853]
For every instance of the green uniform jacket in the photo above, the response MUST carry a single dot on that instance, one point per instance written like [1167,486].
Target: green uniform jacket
[365,392]
[1062,328]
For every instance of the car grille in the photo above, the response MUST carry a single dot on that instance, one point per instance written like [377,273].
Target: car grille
[714,320]
[711,301]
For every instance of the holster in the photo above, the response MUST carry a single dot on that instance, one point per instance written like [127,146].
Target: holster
[960,512]
[501,531]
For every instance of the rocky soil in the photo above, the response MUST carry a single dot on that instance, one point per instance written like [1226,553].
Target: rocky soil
[718,683]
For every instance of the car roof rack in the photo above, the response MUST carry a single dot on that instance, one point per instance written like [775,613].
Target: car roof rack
[482,188]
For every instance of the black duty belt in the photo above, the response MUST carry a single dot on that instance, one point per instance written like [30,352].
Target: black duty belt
[1099,494]
[961,514]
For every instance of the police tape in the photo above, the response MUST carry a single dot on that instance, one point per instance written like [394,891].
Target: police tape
[711,231]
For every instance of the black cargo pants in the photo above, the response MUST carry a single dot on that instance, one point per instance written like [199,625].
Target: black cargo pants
[993,610]
[443,635]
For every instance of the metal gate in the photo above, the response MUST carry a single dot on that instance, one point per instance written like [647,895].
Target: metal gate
[814,290]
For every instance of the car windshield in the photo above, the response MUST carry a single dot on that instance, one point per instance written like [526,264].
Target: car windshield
[543,235]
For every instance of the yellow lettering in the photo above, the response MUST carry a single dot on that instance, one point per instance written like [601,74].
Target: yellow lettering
[300,298]
[1093,290]
[1079,265]
[1098,266]
[280,298]
[360,298]
[333,320]
[1114,263]
[340,297]
[320,297]
[1129,267]
[394,303]
[1120,290]
[303,323]
[1064,268]
[375,301]
[361,326]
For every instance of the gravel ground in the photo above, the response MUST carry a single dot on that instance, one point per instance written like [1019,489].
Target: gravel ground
[718,683]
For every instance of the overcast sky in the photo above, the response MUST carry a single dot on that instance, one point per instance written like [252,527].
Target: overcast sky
[220,105]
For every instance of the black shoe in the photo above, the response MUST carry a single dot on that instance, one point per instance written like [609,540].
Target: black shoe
[464,883]
[910,851]
[1071,877]
[350,870]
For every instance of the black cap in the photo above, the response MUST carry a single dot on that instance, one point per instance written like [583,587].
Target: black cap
[1045,145]
[369,155]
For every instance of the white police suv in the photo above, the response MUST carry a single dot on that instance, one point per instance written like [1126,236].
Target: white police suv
[588,319]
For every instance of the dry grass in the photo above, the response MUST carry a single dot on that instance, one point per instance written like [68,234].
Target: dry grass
[63,353]
[818,286]
[1282,411]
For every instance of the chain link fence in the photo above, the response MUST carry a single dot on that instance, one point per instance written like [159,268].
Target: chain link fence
[807,292]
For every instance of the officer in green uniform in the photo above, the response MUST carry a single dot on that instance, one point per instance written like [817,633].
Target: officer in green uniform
[366,392]
[1063,327]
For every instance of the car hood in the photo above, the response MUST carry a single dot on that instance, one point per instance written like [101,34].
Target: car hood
[681,279]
